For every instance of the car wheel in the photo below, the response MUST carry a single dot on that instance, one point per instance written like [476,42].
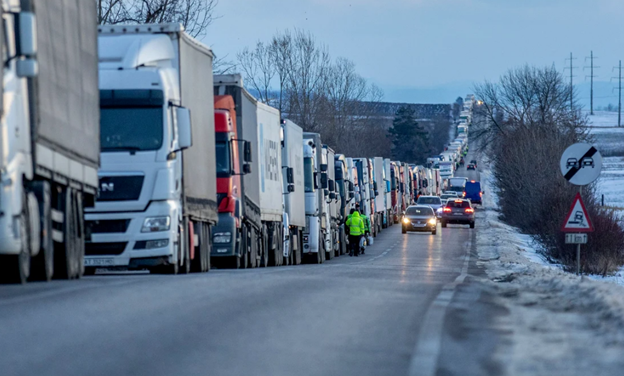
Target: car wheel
[472,224]
[434,232]
[403,230]
[443,224]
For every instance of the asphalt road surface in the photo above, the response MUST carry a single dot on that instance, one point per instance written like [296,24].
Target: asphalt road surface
[408,306]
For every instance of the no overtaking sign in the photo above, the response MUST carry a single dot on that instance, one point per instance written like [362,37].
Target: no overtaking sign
[581,164]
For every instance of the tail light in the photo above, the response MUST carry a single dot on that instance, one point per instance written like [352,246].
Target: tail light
[469,210]
[463,194]
[480,194]
[447,210]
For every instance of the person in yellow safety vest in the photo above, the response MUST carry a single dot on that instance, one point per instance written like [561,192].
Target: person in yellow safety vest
[367,226]
[356,230]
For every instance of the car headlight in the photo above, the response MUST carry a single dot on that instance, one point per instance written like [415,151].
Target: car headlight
[406,220]
[433,221]
[222,237]
[154,224]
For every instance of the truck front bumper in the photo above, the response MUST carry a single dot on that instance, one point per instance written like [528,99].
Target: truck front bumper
[132,248]
[225,226]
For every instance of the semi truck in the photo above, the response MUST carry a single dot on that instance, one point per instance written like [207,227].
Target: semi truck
[50,137]
[333,240]
[157,201]
[379,176]
[367,191]
[316,208]
[294,191]
[258,212]
[346,196]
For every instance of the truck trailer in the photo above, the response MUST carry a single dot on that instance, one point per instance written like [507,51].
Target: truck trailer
[294,191]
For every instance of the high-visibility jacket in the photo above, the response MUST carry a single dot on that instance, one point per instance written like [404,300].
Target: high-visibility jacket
[355,224]
[367,223]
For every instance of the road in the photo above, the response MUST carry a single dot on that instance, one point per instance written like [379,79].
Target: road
[398,310]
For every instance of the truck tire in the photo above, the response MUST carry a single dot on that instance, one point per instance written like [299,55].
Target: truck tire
[66,258]
[42,267]
[264,251]
[185,243]
[244,249]
[253,248]
[443,224]
[201,261]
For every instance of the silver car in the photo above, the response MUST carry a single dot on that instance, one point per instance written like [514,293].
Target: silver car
[419,218]
[434,202]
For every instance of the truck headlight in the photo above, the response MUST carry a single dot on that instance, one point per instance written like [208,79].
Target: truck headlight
[155,224]
[222,237]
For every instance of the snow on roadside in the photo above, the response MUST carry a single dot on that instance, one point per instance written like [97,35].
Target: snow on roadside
[559,323]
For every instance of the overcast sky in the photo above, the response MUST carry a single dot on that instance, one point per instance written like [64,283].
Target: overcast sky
[406,45]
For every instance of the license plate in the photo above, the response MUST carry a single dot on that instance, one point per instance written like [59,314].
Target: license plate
[458,213]
[99,262]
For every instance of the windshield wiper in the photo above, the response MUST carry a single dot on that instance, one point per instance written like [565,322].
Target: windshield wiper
[130,149]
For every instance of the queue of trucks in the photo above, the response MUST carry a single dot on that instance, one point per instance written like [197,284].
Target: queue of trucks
[143,159]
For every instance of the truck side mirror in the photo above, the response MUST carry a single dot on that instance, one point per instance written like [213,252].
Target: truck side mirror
[26,68]
[290,179]
[376,193]
[323,167]
[331,185]
[375,185]
[291,188]
[247,152]
[247,168]
[26,31]
[183,119]
[332,195]
[324,183]
[351,195]
[316,180]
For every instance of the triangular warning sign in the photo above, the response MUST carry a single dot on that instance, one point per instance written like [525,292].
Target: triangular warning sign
[577,219]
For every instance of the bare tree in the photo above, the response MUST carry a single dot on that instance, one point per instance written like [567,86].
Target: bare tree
[258,67]
[195,15]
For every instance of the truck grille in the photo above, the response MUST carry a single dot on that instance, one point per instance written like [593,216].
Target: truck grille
[120,188]
[96,249]
[108,226]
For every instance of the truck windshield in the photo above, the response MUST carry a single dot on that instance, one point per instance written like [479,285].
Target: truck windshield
[131,128]
[223,159]
[308,172]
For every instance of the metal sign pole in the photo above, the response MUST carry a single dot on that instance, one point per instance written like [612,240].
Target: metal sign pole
[578,246]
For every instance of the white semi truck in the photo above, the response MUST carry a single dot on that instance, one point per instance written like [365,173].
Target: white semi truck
[49,137]
[294,191]
[157,201]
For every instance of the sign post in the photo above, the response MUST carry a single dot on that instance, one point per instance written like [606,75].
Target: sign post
[580,165]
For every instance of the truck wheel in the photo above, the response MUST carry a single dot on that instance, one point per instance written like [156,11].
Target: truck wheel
[66,254]
[185,254]
[16,268]
[253,249]
[264,252]
[472,225]
[443,224]
[42,267]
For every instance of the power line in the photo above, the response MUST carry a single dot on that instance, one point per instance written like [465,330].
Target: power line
[591,76]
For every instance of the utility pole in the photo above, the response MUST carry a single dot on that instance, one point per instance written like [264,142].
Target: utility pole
[591,76]
[619,93]
[571,58]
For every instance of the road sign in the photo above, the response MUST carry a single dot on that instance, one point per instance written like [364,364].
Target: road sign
[576,238]
[577,219]
[581,164]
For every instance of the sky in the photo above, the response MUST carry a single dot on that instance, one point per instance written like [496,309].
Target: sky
[435,50]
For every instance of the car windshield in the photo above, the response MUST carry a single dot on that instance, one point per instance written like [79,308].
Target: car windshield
[429,200]
[418,210]
[131,128]
[447,196]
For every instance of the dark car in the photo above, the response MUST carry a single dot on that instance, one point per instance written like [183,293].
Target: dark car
[471,166]
[474,162]
[419,218]
[472,192]
[458,212]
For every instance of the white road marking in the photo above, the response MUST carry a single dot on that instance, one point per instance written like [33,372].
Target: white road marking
[424,360]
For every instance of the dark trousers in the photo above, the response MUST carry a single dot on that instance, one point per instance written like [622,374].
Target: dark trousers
[354,244]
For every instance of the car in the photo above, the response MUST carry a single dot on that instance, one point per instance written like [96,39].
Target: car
[458,212]
[420,218]
[432,201]
[471,166]
[472,192]
[450,195]
[474,162]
